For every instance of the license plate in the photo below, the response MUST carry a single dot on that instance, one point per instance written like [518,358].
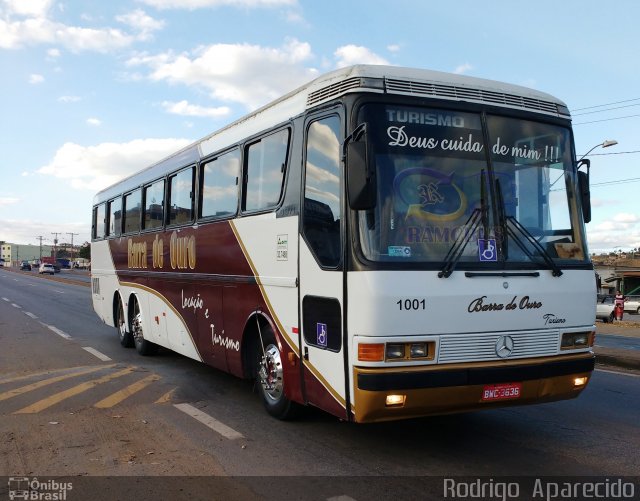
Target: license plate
[501,391]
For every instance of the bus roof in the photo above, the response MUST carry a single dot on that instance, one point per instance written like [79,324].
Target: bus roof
[370,78]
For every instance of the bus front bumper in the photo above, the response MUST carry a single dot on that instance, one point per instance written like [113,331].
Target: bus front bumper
[393,393]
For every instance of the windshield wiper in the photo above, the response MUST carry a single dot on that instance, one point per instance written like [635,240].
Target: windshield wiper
[521,235]
[477,217]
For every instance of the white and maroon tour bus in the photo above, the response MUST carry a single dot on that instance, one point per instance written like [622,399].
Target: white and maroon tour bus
[381,243]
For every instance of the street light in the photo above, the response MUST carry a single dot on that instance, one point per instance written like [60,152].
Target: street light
[605,144]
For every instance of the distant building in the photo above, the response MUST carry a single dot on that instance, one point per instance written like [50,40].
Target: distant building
[14,254]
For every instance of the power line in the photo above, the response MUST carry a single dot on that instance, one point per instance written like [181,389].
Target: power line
[612,153]
[606,109]
[608,104]
[606,119]
[617,181]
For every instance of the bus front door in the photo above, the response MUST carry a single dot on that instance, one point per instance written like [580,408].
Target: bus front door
[321,271]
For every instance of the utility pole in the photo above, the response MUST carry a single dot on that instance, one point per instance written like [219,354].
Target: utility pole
[41,238]
[55,245]
[72,234]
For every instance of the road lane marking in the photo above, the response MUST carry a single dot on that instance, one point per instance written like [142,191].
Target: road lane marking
[124,393]
[209,421]
[46,382]
[32,375]
[166,397]
[29,314]
[96,353]
[57,331]
[16,306]
[6,299]
[45,403]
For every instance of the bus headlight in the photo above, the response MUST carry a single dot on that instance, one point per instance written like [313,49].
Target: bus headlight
[419,350]
[395,351]
[576,340]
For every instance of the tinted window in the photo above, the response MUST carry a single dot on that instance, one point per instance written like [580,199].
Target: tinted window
[115,217]
[322,191]
[220,185]
[266,161]
[99,223]
[132,206]
[181,197]
[154,205]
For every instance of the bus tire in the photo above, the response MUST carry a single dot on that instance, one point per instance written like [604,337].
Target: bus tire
[143,346]
[119,319]
[270,378]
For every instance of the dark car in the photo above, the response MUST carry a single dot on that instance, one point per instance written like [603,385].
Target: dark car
[25,266]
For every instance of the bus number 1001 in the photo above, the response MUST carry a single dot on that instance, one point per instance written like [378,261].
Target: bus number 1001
[412,304]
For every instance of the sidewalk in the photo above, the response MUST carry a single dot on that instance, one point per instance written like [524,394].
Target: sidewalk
[617,357]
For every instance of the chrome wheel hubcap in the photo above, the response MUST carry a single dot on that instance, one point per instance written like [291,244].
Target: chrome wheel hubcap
[270,373]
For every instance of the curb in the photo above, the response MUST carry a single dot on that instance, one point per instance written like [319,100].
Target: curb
[624,359]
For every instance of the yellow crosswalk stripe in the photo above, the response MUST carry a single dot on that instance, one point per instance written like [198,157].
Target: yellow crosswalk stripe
[166,397]
[124,393]
[47,382]
[71,392]
[44,373]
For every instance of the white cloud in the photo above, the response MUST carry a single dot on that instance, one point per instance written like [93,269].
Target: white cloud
[8,201]
[69,99]
[23,231]
[35,79]
[199,4]
[36,8]
[393,48]
[192,110]
[624,217]
[356,54]
[96,167]
[141,22]
[621,230]
[33,31]
[462,69]
[27,22]
[96,122]
[248,74]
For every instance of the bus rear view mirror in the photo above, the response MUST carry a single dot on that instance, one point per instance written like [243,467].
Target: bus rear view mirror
[585,195]
[360,179]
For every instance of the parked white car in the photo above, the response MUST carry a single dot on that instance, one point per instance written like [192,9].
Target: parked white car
[632,304]
[604,309]
[47,268]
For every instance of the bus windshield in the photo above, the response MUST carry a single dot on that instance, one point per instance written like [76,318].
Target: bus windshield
[501,189]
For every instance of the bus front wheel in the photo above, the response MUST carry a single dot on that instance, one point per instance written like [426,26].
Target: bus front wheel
[270,378]
[126,338]
[143,346]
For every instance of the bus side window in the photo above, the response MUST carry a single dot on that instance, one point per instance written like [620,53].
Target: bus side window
[99,220]
[154,205]
[132,209]
[322,193]
[181,197]
[115,217]
[219,188]
[265,169]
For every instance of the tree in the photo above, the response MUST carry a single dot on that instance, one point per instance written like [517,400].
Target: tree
[85,251]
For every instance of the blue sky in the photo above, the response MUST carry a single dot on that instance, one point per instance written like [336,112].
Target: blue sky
[93,91]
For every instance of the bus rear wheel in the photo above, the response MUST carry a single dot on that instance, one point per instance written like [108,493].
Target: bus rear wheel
[126,338]
[270,378]
[143,346]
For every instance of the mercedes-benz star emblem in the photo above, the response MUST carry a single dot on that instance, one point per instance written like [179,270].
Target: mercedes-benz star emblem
[504,346]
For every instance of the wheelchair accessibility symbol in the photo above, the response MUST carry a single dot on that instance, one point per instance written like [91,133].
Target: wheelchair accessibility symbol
[487,250]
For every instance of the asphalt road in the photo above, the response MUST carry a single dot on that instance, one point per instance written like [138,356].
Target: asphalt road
[74,402]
